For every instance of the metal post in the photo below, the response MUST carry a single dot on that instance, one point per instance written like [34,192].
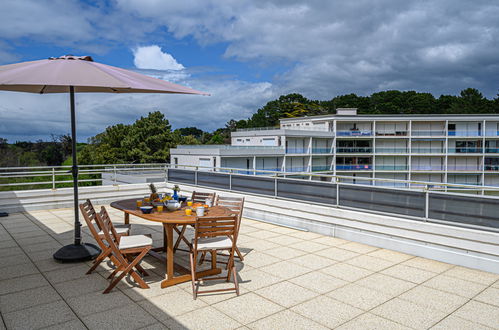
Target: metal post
[196,176]
[74,168]
[53,178]
[427,203]
[166,173]
[114,170]
[230,180]
[275,187]
[337,192]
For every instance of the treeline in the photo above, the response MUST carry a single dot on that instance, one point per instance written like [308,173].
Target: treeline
[39,153]
[150,138]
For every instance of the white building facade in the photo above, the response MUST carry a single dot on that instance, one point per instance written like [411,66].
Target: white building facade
[460,149]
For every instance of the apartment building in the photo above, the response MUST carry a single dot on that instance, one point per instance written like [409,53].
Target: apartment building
[436,148]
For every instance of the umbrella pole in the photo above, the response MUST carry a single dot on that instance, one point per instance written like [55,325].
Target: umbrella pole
[77,251]
[74,168]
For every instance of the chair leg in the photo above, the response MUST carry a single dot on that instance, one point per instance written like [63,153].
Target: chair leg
[201,259]
[239,254]
[236,283]
[99,259]
[129,270]
[193,275]
[181,238]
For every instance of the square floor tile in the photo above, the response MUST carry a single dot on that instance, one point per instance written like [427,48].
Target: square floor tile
[472,275]
[489,296]
[39,316]
[171,304]
[125,317]
[203,318]
[385,284]
[327,311]
[480,313]
[454,322]
[368,262]
[27,298]
[337,254]
[409,314]
[359,296]
[407,273]
[313,261]
[259,259]
[81,286]
[346,272]
[455,285]
[390,255]
[285,252]
[248,308]
[255,279]
[286,294]
[428,264]
[97,302]
[440,300]
[359,247]
[286,320]
[22,283]
[331,241]
[285,240]
[309,246]
[285,269]
[17,271]
[67,273]
[371,321]
[318,282]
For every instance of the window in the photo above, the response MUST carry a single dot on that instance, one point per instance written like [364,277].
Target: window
[239,140]
[247,139]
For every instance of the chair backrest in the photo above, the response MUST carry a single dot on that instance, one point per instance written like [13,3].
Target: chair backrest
[110,235]
[235,204]
[209,227]
[201,197]
[90,216]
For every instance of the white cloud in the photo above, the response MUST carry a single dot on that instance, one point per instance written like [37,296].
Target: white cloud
[152,57]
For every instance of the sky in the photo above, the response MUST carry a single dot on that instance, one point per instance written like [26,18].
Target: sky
[244,53]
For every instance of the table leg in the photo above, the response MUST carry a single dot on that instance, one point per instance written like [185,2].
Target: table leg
[169,251]
[127,218]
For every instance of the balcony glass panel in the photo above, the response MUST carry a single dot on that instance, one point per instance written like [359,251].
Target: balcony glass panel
[391,167]
[427,168]
[354,133]
[492,150]
[354,150]
[465,133]
[491,168]
[463,168]
[391,133]
[427,150]
[428,133]
[465,150]
[492,133]
[353,167]
[321,150]
[296,169]
[391,150]
[296,150]
[317,168]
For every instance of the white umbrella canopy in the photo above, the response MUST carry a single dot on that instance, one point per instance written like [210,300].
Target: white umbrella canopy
[80,74]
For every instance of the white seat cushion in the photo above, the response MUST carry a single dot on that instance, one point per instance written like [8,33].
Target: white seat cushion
[214,243]
[119,230]
[128,242]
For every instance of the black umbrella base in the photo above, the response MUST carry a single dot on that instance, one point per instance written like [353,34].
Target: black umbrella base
[76,253]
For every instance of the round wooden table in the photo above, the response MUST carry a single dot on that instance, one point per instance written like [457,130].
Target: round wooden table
[170,220]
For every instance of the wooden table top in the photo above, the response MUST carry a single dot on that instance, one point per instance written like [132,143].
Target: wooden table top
[175,217]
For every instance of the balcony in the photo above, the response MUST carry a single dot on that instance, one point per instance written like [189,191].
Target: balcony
[491,168]
[391,133]
[491,150]
[354,150]
[427,168]
[354,133]
[354,167]
[474,168]
[384,150]
[491,133]
[391,167]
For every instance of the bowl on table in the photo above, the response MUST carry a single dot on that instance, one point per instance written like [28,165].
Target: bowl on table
[182,199]
[146,209]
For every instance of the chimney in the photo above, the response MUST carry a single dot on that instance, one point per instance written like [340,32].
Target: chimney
[346,111]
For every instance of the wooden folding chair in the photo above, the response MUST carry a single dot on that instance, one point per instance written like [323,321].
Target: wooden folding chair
[89,214]
[214,234]
[128,251]
[197,197]
[235,204]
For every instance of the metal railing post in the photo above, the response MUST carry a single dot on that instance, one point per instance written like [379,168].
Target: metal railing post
[196,176]
[337,192]
[275,187]
[230,180]
[115,178]
[53,178]
[166,173]
[426,203]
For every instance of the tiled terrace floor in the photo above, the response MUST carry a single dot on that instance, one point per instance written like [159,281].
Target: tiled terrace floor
[289,280]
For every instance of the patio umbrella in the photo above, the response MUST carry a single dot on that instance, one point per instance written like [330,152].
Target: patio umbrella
[79,74]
